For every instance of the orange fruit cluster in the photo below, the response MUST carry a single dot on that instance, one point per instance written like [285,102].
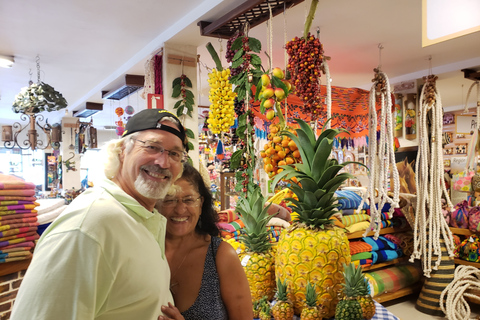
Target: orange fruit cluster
[280,150]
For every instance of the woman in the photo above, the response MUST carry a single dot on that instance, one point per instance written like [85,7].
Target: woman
[207,279]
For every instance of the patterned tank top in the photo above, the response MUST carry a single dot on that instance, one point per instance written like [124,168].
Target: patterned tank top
[209,304]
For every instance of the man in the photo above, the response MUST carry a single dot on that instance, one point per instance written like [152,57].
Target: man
[104,257]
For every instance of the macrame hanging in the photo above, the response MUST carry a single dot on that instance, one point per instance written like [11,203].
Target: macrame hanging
[476,83]
[430,226]
[381,152]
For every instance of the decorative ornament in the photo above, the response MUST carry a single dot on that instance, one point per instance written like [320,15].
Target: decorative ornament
[129,110]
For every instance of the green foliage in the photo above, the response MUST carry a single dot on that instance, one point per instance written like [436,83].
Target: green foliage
[318,175]
[38,97]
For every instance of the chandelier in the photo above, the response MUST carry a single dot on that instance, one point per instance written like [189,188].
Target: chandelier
[32,100]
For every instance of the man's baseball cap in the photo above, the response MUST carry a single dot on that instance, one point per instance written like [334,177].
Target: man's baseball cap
[149,119]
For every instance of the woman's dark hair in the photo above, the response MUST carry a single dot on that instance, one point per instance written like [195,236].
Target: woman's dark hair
[208,217]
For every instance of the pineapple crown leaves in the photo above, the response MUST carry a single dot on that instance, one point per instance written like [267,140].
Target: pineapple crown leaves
[253,213]
[258,303]
[355,282]
[281,290]
[311,295]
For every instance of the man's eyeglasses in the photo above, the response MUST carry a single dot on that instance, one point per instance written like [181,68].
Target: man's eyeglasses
[188,201]
[155,148]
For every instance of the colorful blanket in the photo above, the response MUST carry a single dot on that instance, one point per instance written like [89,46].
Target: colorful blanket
[232,226]
[18,192]
[32,237]
[14,197]
[17,216]
[227,216]
[26,244]
[359,246]
[16,258]
[4,222]
[349,200]
[362,255]
[362,262]
[7,212]
[18,235]
[4,227]
[12,232]
[385,255]
[392,279]
[380,244]
[354,218]
[348,212]
[18,207]
[10,202]
[359,226]
[17,249]
[10,185]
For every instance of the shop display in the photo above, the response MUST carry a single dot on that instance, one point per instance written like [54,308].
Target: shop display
[258,259]
[314,250]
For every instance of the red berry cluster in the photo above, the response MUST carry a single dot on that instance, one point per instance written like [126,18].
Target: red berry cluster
[304,64]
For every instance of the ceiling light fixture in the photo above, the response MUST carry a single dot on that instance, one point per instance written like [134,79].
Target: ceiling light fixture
[6,61]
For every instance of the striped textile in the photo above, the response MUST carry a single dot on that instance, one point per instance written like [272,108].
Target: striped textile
[354,218]
[17,192]
[362,255]
[16,185]
[17,197]
[392,279]
[359,246]
[227,216]
[10,202]
[7,212]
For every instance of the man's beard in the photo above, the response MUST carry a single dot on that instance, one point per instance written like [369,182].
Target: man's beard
[152,189]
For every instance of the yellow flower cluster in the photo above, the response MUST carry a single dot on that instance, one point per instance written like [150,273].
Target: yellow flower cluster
[222,115]
[238,246]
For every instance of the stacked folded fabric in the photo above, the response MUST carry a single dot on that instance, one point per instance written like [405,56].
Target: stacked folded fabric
[361,253]
[48,211]
[18,219]
[383,249]
[392,279]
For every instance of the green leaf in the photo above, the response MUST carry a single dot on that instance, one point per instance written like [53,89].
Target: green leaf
[238,54]
[255,45]
[236,158]
[190,133]
[180,111]
[190,146]
[176,91]
[237,44]
[187,82]
[255,60]
[279,84]
[214,55]
[258,89]
[237,63]
[176,82]
[189,101]
[177,104]
[189,94]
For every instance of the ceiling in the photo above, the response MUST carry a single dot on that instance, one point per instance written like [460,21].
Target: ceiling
[86,47]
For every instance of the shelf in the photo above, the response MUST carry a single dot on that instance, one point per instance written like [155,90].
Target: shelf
[359,234]
[415,288]
[384,264]
[461,231]
[14,266]
[467,263]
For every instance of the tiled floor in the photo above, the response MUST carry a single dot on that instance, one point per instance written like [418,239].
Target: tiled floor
[404,308]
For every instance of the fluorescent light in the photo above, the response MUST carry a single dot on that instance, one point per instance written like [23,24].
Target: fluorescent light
[6,61]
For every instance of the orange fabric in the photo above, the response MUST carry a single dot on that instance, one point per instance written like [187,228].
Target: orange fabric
[359,246]
[349,104]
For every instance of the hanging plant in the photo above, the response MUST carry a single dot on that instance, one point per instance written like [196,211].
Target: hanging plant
[180,90]
[38,97]
[184,106]
[250,63]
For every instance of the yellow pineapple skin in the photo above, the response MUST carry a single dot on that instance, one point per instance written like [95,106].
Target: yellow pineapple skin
[368,306]
[260,271]
[283,310]
[310,313]
[303,255]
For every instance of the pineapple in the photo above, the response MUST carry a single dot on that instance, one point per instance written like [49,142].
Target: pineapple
[313,249]
[283,308]
[257,305]
[311,310]
[357,303]
[265,311]
[258,258]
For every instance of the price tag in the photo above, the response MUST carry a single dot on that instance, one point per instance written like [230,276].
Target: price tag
[245,260]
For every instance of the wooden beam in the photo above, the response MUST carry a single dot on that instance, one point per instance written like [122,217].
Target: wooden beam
[471,74]
[187,61]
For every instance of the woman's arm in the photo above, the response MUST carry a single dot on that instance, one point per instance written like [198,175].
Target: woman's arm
[233,284]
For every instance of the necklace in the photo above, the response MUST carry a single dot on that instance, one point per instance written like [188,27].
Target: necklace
[176,283]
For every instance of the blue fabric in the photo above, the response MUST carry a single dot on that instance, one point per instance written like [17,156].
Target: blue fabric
[380,244]
[349,200]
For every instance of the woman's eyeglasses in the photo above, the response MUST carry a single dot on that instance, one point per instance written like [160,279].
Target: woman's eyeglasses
[188,201]
[155,148]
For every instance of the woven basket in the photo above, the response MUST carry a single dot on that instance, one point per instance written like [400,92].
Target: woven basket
[429,299]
